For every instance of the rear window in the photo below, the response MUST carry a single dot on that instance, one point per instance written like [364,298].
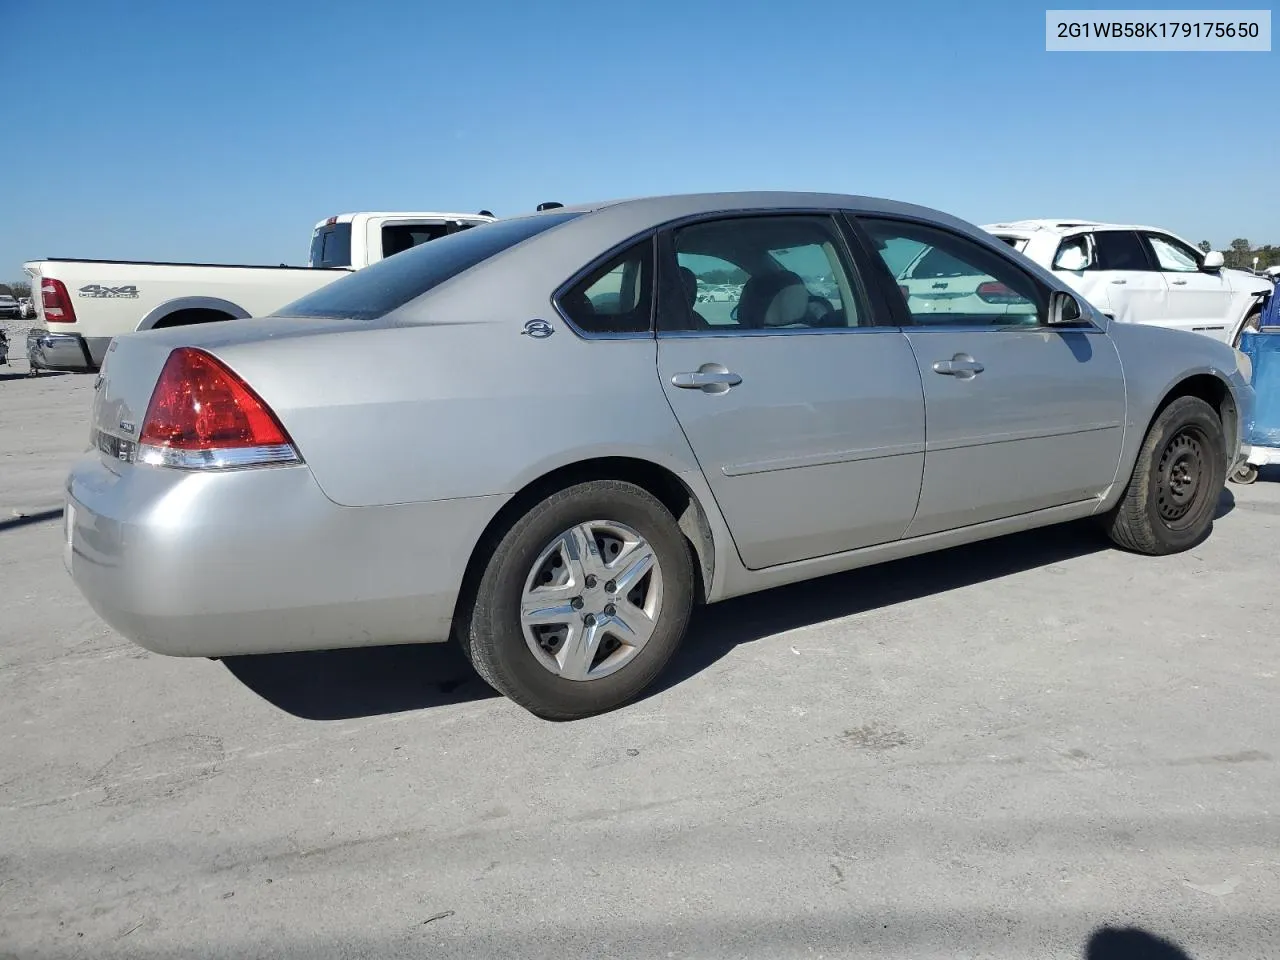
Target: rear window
[331,246]
[377,290]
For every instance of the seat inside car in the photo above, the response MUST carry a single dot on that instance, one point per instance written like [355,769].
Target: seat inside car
[689,282]
[775,299]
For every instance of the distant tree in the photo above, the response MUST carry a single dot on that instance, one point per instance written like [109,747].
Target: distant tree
[1205,246]
[723,276]
[1240,255]
[20,288]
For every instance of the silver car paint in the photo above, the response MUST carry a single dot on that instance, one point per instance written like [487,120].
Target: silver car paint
[418,427]
[823,425]
[1041,426]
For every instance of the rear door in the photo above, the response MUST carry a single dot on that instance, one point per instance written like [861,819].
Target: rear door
[806,417]
[1121,272]
[1020,416]
[1198,301]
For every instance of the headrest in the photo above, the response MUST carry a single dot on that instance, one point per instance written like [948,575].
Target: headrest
[773,299]
[690,281]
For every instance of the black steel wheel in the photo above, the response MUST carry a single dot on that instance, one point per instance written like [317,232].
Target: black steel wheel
[1172,495]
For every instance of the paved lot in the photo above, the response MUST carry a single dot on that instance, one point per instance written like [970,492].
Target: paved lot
[996,751]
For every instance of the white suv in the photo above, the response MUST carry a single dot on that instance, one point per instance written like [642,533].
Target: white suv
[1143,274]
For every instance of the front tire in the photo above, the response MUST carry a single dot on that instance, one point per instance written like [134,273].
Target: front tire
[583,601]
[1173,492]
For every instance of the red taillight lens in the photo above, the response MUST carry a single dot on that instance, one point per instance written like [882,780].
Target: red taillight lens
[56,302]
[993,291]
[200,405]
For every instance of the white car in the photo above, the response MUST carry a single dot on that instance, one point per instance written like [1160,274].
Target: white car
[1140,274]
[82,304]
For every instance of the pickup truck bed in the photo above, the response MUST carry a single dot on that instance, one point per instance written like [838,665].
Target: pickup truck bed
[82,304]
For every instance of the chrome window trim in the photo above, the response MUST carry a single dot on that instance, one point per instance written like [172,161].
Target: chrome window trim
[772,332]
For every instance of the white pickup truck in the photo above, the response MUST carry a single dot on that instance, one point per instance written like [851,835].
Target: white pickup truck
[82,304]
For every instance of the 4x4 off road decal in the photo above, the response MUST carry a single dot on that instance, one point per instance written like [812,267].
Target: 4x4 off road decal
[99,292]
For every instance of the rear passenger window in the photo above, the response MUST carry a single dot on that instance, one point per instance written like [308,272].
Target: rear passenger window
[1119,250]
[779,274]
[616,297]
[949,279]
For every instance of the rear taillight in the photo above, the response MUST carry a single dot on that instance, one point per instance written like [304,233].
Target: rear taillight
[202,415]
[993,291]
[56,302]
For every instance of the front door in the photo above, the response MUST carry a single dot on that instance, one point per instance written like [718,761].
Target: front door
[1020,416]
[1198,301]
[806,418]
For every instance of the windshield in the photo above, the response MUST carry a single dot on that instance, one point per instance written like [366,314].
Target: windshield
[377,290]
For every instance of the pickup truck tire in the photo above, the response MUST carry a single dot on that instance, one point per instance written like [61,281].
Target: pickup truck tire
[1172,496]
[583,569]
[183,318]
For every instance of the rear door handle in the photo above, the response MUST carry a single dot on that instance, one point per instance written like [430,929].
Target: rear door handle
[708,380]
[1179,283]
[1119,281]
[961,366]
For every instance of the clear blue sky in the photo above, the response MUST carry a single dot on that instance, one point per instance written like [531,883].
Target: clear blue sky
[223,130]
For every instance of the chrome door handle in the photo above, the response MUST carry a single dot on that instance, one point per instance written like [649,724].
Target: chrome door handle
[703,379]
[962,367]
[1119,281]
[1179,283]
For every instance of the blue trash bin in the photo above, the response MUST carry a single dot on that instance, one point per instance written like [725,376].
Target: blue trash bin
[1263,348]
[1271,310]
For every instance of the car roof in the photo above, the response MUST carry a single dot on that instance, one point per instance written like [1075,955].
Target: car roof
[661,208]
[402,215]
[1063,227]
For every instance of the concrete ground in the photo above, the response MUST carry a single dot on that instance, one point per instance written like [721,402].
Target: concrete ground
[996,751]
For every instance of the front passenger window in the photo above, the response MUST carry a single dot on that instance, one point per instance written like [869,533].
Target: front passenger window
[949,279]
[1173,257]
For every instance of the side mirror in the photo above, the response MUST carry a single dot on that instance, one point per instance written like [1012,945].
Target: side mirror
[1213,260]
[1065,310]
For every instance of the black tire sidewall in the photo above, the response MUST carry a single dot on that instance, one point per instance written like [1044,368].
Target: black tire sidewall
[496,637]
[1182,413]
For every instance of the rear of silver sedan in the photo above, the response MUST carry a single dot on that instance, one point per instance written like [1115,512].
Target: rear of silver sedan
[194,526]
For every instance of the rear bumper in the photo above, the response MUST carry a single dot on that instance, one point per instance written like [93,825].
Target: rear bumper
[260,561]
[51,350]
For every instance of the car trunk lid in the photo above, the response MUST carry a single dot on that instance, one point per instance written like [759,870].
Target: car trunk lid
[134,362]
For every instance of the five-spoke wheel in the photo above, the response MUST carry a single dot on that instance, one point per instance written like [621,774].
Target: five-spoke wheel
[582,602]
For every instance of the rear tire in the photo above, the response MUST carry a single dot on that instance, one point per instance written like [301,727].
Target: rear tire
[553,614]
[1173,492]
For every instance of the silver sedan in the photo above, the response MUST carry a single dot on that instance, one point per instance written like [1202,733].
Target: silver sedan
[547,438]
